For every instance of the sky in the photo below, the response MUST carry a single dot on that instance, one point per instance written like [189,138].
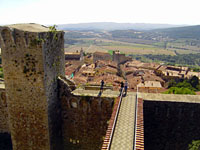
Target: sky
[83,11]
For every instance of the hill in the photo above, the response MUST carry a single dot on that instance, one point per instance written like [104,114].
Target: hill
[181,32]
[114,26]
[170,41]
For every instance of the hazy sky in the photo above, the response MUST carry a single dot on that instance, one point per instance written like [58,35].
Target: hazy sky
[79,11]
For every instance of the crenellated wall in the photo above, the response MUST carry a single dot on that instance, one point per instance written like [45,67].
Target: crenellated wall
[170,125]
[84,119]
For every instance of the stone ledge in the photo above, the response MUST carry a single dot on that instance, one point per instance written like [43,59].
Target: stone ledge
[170,97]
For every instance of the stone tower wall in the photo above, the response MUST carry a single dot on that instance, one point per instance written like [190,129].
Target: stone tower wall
[32,61]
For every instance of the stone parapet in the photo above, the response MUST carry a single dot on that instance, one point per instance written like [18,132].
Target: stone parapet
[84,119]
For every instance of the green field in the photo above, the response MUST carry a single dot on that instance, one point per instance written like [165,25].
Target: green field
[173,41]
[104,45]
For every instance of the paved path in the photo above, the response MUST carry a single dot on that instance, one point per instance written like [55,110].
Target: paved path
[124,130]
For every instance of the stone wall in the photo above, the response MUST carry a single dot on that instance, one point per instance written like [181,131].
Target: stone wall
[170,125]
[33,58]
[84,119]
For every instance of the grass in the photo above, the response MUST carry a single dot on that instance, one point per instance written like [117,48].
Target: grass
[139,50]
[110,52]
[104,45]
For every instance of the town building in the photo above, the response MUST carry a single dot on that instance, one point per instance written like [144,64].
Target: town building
[101,56]
[74,55]
[120,58]
[150,87]
[150,84]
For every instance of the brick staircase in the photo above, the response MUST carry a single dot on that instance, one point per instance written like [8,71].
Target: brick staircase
[110,129]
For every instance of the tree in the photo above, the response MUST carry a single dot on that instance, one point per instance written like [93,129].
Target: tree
[172,83]
[194,81]
[195,145]
[179,90]
[185,84]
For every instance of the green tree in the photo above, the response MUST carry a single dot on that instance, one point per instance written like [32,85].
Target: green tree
[195,145]
[172,83]
[1,73]
[52,28]
[179,90]
[185,84]
[194,81]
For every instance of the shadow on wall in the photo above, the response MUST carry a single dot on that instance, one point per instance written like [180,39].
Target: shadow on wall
[170,125]
[5,141]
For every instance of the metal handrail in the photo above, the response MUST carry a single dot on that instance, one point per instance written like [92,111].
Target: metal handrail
[115,121]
